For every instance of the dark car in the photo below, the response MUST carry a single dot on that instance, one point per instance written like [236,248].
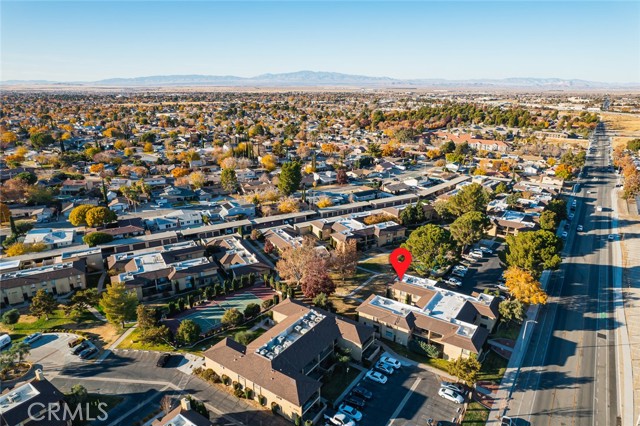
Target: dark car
[76,341]
[162,361]
[362,392]
[88,353]
[355,401]
[81,347]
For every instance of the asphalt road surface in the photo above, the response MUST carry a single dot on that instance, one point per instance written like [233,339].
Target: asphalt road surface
[568,376]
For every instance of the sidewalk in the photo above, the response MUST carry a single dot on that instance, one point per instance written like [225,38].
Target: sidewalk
[628,248]
[114,345]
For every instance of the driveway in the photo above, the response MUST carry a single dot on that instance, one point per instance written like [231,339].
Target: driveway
[52,352]
[483,273]
[410,397]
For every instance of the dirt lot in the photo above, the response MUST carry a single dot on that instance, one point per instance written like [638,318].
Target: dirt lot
[625,124]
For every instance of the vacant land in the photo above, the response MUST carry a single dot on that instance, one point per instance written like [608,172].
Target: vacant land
[625,124]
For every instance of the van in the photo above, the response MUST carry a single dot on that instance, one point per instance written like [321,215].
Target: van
[5,341]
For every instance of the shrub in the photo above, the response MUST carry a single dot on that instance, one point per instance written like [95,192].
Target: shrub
[225,379]
[238,393]
[248,393]
[274,407]
[266,304]
[11,316]
[262,400]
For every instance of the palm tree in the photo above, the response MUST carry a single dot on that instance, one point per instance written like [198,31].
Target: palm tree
[21,349]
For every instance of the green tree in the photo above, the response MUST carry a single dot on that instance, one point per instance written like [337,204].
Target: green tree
[232,317]
[78,215]
[430,246]
[466,369]
[374,150]
[511,310]
[533,251]
[27,177]
[41,140]
[98,216]
[228,180]
[559,207]
[290,178]
[548,220]
[95,238]
[21,350]
[502,188]
[470,198]
[78,394]
[244,337]
[43,304]
[447,147]
[188,332]
[430,350]
[146,317]
[81,301]
[322,301]
[469,228]
[251,310]
[119,304]
[11,317]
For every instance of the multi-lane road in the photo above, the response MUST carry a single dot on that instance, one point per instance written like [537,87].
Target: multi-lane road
[568,375]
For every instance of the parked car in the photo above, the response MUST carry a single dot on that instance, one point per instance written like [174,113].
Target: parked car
[453,386]
[79,348]
[451,395]
[362,392]
[599,208]
[391,361]
[486,250]
[385,368]
[476,253]
[571,216]
[611,237]
[162,361]
[376,376]
[340,419]
[88,353]
[501,287]
[454,281]
[76,341]
[580,228]
[355,401]
[32,338]
[350,411]
[564,234]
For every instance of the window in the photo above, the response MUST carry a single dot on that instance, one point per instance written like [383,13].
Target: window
[388,333]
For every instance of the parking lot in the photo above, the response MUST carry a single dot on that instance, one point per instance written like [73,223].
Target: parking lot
[52,352]
[482,272]
[410,397]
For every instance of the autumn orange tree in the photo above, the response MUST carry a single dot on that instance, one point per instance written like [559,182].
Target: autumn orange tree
[524,287]
[304,267]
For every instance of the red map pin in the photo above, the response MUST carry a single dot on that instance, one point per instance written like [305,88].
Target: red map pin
[400,259]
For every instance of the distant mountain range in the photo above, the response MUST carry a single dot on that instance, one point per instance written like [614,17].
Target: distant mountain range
[327,79]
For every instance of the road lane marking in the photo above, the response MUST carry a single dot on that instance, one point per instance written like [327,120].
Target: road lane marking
[404,401]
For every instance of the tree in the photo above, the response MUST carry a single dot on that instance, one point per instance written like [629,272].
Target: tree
[81,301]
[430,246]
[548,220]
[179,172]
[119,304]
[469,228]
[502,188]
[344,259]
[322,301]
[18,249]
[244,337]
[148,137]
[197,179]
[21,350]
[27,177]
[324,201]
[78,394]
[146,317]
[43,304]
[188,332]
[251,310]
[289,205]
[295,262]
[316,281]
[268,161]
[11,317]
[98,216]
[290,178]
[511,310]
[148,147]
[373,149]
[95,238]
[5,213]
[564,171]
[524,287]
[559,207]
[78,215]
[533,251]
[447,147]
[232,317]
[466,369]
[341,177]
[471,197]
[41,140]
[228,180]
[430,350]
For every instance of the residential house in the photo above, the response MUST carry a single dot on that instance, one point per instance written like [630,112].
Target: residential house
[366,236]
[52,238]
[236,257]
[73,187]
[232,210]
[511,222]
[183,415]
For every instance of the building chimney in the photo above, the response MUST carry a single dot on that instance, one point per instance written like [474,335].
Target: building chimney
[185,404]
[39,375]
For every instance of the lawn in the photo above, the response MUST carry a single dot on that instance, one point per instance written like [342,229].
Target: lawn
[476,415]
[29,324]
[337,383]
[92,401]
[133,341]
[493,368]
[440,364]
[507,331]
[350,283]
[378,263]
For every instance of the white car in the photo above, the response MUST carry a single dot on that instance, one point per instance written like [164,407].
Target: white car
[454,281]
[457,387]
[350,411]
[451,395]
[565,234]
[32,338]
[340,419]
[384,367]
[459,272]
[611,237]
[376,376]
[476,253]
[486,250]
[391,361]
[571,216]
[580,228]
[599,208]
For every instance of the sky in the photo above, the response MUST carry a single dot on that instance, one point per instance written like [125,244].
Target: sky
[93,40]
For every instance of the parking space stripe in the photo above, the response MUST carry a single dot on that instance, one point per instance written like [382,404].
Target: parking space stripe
[404,401]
